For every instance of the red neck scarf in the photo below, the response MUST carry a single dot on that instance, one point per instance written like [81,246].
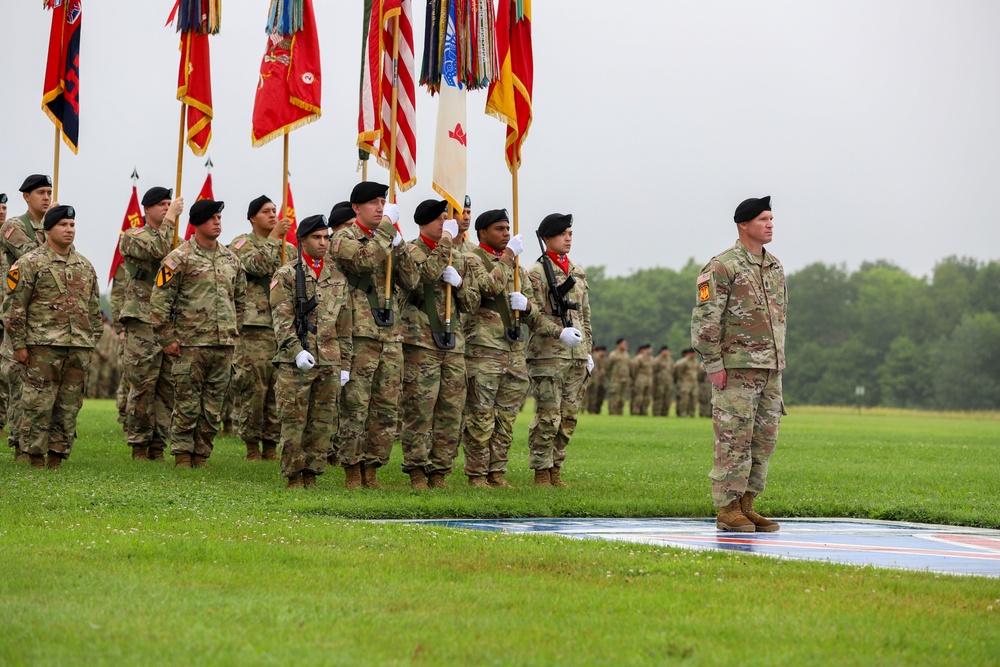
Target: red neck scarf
[562,261]
[490,250]
[315,264]
[369,232]
[430,244]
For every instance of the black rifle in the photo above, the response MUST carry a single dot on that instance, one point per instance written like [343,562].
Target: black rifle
[557,293]
[303,306]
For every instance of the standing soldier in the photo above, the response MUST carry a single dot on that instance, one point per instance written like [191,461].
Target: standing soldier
[197,310]
[371,400]
[434,349]
[619,377]
[642,380]
[253,382]
[704,391]
[663,383]
[597,386]
[54,321]
[738,327]
[686,381]
[313,353]
[461,243]
[341,215]
[558,368]
[147,369]
[18,236]
[117,300]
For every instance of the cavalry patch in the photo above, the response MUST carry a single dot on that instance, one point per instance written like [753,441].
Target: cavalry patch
[164,276]
[239,244]
[13,276]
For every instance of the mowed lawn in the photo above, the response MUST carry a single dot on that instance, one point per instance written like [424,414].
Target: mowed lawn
[113,562]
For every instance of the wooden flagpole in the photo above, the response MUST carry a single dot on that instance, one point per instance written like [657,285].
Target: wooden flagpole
[55,170]
[180,170]
[392,145]
[284,196]
[517,264]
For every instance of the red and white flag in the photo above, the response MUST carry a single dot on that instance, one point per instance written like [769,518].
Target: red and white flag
[289,214]
[133,219]
[509,97]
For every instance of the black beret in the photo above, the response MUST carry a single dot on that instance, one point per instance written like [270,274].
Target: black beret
[647,346]
[57,213]
[365,191]
[3,197]
[257,204]
[155,195]
[619,341]
[665,347]
[312,224]
[554,225]
[751,208]
[34,182]
[468,201]
[487,218]
[690,350]
[204,209]
[429,210]
[601,347]
[341,213]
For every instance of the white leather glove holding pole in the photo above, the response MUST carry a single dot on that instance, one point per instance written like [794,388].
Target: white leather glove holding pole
[518,301]
[450,276]
[516,244]
[345,377]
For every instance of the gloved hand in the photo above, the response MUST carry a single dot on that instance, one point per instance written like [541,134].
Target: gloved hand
[397,239]
[518,301]
[391,211]
[451,226]
[345,377]
[304,360]
[450,276]
[590,364]
[516,245]
[571,336]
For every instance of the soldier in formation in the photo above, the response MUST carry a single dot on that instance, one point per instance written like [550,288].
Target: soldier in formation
[619,377]
[663,382]
[597,386]
[686,383]
[641,370]
[103,373]
[704,391]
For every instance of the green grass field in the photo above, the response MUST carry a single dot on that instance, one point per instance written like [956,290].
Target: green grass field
[114,562]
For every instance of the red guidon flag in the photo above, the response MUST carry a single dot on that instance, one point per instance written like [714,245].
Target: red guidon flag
[206,193]
[289,214]
[289,87]
[61,91]
[133,219]
[196,20]
[509,97]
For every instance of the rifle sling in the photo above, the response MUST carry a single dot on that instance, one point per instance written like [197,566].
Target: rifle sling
[365,284]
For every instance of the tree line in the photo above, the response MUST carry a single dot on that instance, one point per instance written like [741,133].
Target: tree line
[911,342]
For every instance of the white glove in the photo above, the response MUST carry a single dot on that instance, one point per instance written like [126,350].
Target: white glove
[450,276]
[397,239]
[345,377]
[516,245]
[304,360]
[518,301]
[571,336]
[391,211]
[451,226]
[590,364]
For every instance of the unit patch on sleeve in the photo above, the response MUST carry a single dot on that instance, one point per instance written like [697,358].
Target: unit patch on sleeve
[13,276]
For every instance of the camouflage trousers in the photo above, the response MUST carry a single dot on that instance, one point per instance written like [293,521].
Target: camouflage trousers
[746,415]
[432,403]
[616,397]
[150,387]
[558,386]
[201,378]
[4,398]
[705,400]
[308,409]
[13,377]
[497,385]
[641,397]
[254,384]
[121,397]
[51,396]
[595,397]
[662,394]
[371,403]
[687,399]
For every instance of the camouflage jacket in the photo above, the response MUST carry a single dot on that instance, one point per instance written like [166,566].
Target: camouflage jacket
[117,297]
[20,235]
[416,325]
[53,300]
[600,374]
[200,297]
[663,370]
[362,257]
[142,248]
[739,319]
[333,318]
[261,258]
[485,327]
[686,371]
[465,246]
[547,347]
[619,369]
[641,368]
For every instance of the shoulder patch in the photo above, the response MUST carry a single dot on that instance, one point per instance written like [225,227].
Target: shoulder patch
[239,244]
[704,287]
[274,283]
[704,278]
[136,231]
[164,276]
[13,276]
[411,247]
[8,230]
[336,244]
[171,264]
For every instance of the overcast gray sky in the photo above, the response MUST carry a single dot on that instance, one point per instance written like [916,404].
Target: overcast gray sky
[875,126]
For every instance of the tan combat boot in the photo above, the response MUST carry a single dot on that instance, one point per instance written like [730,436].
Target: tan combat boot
[21,456]
[731,518]
[762,524]
[309,479]
[156,453]
[36,460]
[253,452]
[198,461]
[295,481]
[436,481]
[543,478]
[270,452]
[418,480]
[555,478]
[478,480]
[54,460]
[496,479]
[182,460]
[140,453]
[368,476]
[352,476]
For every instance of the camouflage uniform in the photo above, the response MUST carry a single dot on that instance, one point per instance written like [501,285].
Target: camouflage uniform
[686,383]
[308,400]
[619,381]
[704,392]
[642,383]
[117,299]
[371,398]
[17,236]
[253,382]
[54,312]
[102,374]
[148,371]
[199,302]
[495,367]
[663,385]
[597,386]
[558,373]
[739,326]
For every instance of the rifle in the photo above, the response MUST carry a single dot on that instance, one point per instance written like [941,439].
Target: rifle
[303,306]
[557,293]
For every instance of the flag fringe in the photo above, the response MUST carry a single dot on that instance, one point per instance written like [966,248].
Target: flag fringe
[257,143]
[199,16]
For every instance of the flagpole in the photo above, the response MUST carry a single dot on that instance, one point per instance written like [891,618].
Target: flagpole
[284,197]
[180,169]
[55,170]
[392,144]
[517,264]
